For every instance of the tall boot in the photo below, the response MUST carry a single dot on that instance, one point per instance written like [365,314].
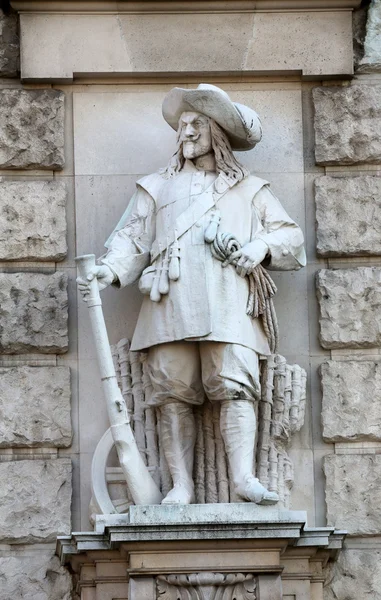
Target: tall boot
[238,430]
[178,436]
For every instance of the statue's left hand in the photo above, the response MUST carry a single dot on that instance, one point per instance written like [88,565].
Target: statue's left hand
[248,257]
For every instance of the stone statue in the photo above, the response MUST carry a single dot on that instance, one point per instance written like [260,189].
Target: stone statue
[197,235]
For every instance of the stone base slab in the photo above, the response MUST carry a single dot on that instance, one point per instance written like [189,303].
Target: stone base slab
[154,551]
[198,514]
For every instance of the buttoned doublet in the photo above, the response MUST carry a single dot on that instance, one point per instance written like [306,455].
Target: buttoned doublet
[207,302]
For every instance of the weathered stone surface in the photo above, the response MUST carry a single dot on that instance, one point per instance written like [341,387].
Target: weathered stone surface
[347,124]
[31,129]
[351,400]
[32,220]
[349,302]
[348,215]
[35,497]
[318,43]
[353,483]
[35,406]
[9,45]
[359,32]
[34,574]
[371,61]
[33,313]
[355,575]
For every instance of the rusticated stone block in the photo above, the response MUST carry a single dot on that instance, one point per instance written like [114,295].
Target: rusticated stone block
[33,313]
[351,400]
[355,575]
[348,215]
[35,406]
[353,483]
[32,220]
[31,129]
[347,124]
[35,497]
[34,574]
[9,45]
[349,302]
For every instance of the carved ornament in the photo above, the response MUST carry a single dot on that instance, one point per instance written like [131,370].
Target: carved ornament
[206,586]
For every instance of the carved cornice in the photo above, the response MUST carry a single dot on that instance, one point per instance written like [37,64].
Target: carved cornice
[113,531]
[175,6]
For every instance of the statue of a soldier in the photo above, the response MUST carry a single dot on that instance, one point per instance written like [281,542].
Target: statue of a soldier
[194,323]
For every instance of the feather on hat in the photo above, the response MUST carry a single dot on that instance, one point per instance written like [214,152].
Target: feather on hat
[241,124]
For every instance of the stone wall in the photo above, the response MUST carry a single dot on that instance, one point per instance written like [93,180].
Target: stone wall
[35,400]
[347,199]
[9,45]
[46,212]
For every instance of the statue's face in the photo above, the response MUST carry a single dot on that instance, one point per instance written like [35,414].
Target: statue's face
[195,134]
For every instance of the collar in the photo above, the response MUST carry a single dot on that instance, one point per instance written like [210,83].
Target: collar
[189,167]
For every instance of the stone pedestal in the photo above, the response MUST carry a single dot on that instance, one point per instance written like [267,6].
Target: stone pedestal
[208,551]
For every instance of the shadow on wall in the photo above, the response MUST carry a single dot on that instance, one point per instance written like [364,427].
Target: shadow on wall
[5,6]
[359,30]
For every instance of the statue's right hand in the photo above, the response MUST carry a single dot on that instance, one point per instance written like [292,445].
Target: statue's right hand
[104,276]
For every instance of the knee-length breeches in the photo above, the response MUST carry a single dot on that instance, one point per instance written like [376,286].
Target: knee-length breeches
[189,371]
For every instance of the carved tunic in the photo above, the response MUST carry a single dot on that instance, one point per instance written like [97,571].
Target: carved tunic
[207,302]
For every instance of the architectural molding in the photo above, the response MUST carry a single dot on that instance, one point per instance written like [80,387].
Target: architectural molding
[146,39]
[191,6]
[203,522]
[166,554]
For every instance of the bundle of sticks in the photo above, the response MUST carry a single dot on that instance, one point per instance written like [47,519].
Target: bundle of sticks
[280,414]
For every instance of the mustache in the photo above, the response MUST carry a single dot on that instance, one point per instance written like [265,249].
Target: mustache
[192,138]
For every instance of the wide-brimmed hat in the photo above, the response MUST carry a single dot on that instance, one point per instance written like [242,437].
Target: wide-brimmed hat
[240,122]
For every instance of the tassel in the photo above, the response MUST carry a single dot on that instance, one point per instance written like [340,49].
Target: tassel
[155,294]
[211,231]
[164,279]
[174,263]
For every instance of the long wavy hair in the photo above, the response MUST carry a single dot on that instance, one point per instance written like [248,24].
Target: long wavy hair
[226,162]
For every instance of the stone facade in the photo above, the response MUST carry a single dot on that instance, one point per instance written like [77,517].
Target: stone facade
[35,499]
[242,43]
[351,393]
[115,135]
[33,313]
[360,15]
[32,132]
[35,401]
[40,396]
[33,220]
[349,301]
[34,574]
[371,60]
[347,128]
[352,492]
[356,574]
[348,215]
[9,45]
[348,124]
